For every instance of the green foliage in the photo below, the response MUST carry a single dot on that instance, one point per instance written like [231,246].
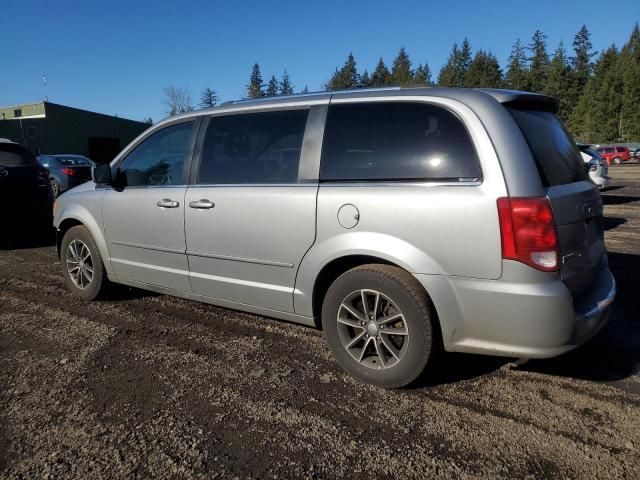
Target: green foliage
[272,87]
[453,72]
[285,87]
[422,76]
[208,98]
[365,80]
[401,73]
[581,62]
[561,82]
[484,71]
[538,62]
[346,77]
[254,89]
[381,76]
[517,76]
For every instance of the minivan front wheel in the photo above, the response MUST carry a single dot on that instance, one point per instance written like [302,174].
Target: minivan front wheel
[81,264]
[378,323]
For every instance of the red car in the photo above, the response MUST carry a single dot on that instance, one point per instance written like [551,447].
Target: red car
[615,155]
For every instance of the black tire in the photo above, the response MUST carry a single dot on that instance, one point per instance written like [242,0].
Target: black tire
[403,290]
[55,188]
[99,281]
[617,160]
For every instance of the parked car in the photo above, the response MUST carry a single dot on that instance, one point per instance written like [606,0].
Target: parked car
[407,220]
[67,171]
[25,198]
[615,155]
[597,166]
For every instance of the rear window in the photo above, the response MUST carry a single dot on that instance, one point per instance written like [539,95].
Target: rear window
[620,149]
[395,141]
[12,155]
[71,161]
[554,151]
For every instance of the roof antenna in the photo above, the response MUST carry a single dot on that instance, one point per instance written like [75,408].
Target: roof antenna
[44,81]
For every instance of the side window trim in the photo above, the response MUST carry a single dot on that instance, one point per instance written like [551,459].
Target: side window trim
[196,122]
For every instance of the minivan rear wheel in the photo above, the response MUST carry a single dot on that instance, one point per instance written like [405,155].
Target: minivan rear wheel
[377,320]
[617,160]
[81,264]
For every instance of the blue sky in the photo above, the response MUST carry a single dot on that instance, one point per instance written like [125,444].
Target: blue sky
[116,56]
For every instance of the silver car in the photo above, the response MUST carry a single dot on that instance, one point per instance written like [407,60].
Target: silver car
[400,221]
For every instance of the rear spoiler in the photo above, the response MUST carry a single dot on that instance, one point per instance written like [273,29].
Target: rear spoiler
[523,100]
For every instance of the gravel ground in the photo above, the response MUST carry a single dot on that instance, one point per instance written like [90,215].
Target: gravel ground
[144,385]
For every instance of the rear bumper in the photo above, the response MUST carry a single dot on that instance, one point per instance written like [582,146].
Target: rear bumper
[524,314]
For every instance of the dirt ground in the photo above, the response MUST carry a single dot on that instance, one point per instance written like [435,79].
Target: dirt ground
[144,385]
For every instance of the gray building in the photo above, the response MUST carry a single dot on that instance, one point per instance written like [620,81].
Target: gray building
[49,128]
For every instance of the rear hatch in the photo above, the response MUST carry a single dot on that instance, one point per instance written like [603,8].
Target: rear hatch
[20,174]
[575,201]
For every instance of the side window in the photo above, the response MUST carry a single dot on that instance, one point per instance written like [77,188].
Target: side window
[253,148]
[158,160]
[396,141]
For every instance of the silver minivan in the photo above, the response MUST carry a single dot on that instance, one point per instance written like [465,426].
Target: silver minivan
[400,221]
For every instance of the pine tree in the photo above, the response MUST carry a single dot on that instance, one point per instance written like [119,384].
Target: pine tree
[208,98]
[254,89]
[538,62]
[401,73]
[285,88]
[346,77]
[305,89]
[581,62]
[365,80]
[560,82]
[484,71]
[517,76]
[272,87]
[629,63]
[422,76]
[453,72]
[381,76]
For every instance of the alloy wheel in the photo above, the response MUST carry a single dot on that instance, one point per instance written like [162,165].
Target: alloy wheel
[372,329]
[79,264]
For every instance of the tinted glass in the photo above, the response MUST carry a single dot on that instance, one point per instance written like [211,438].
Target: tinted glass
[555,153]
[158,160]
[71,161]
[396,141]
[253,148]
[13,155]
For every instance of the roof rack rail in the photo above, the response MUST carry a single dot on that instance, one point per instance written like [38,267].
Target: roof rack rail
[308,94]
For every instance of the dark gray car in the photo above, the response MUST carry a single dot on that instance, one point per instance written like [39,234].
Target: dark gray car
[67,171]
[399,220]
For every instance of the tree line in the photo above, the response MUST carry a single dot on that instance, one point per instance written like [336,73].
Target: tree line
[598,92]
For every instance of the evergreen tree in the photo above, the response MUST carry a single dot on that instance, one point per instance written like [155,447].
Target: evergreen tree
[581,62]
[305,89]
[346,77]
[401,73]
[254,89]
[484,71]
[560,82]
[629,62]
[422,76]
[365,80]
[208,98]
[285,88]
[517,74]
[272,87]
[538,62]
[453,72]
[381,77]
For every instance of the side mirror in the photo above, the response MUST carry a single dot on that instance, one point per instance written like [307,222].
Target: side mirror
[101,173]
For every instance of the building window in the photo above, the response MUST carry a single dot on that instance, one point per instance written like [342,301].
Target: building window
[17,112]
[32,132]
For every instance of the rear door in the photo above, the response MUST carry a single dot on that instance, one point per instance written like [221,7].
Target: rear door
[575,201]
[250,213]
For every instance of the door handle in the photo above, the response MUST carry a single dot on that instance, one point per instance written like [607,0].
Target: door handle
[202,204]
[167,203]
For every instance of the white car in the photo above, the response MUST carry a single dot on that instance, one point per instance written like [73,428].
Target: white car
[598,169]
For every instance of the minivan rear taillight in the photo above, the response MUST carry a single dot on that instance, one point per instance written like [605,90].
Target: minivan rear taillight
[528,232]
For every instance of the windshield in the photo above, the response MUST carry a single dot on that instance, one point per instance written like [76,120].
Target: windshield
[556,155]
[13,155]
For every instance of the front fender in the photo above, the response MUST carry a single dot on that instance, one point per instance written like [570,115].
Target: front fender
[91,218]
[385,247]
